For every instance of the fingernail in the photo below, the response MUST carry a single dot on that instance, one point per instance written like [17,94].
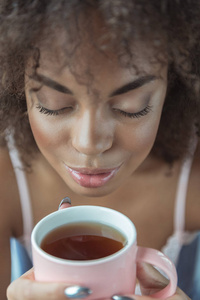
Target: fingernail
[77,291]
[65,200]
[117,297]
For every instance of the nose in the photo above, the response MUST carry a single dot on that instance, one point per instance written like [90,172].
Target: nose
[92,134]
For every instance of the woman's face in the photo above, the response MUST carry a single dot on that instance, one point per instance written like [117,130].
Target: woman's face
[95,128]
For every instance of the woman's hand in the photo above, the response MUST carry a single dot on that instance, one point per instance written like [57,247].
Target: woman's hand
[151,281]
[26,288]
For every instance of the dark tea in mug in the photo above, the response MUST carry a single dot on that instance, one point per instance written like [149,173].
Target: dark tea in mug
[83,241]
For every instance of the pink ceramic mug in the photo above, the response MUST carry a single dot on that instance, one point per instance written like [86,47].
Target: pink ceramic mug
[108,276]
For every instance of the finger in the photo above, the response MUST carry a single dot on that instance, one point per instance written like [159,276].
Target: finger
[179,295]
[65,203]
[27,288]
[151,281]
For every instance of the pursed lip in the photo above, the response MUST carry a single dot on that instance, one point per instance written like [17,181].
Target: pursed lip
[92,178]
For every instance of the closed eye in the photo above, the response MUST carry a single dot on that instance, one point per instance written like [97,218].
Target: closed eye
[51,112]
[137,115]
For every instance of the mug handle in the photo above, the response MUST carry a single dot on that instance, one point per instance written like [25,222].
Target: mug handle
[158,259]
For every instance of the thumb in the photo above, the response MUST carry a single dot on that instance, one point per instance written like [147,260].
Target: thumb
[151,281]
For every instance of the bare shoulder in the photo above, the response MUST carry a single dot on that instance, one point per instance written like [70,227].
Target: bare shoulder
[9,199]
[10,216]
[193,197]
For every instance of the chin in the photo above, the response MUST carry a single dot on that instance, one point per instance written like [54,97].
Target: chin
[92,192]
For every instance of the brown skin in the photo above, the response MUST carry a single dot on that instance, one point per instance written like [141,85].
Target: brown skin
[89,131]
[146,220]
[93,134]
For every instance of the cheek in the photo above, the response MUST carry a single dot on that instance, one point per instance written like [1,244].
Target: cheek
[139,139]
[47,133]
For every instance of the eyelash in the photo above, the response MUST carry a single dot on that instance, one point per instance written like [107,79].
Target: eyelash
[137,115]
[50,112]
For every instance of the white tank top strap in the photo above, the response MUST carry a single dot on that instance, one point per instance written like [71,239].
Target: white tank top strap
[23,190]
[180,236]
[181,194]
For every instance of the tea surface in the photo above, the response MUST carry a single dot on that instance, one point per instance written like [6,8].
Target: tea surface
[83,241]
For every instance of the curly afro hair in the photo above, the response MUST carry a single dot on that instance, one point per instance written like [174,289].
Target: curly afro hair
[171,26]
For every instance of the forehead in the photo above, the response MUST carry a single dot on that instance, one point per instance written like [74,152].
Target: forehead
[89,51]
[89,61]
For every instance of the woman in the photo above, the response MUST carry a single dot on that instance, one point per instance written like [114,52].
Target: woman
[107,116]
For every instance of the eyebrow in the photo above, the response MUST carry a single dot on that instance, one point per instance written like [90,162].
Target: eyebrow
[51,83]
[122,90]
[133,85]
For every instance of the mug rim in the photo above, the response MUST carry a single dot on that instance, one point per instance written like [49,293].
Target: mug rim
[131,240]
